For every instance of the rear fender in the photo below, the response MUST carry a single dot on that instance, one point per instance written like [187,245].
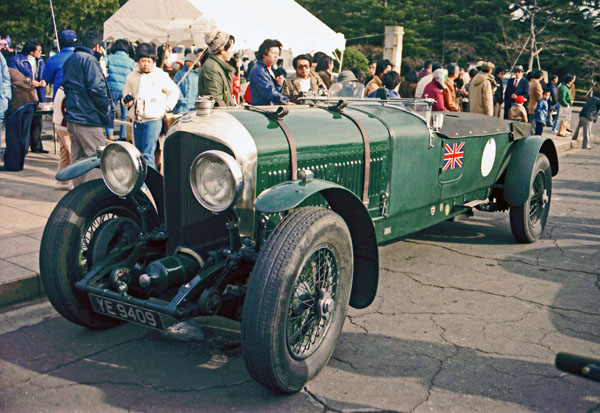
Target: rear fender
[520,167]
[288,195]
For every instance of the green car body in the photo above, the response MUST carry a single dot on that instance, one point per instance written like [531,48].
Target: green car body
[298,241]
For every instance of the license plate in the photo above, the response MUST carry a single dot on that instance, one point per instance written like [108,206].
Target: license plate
[127,312]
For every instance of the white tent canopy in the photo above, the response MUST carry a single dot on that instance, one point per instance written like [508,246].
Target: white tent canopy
[185,22]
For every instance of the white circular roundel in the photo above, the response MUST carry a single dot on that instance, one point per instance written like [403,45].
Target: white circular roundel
[488,157]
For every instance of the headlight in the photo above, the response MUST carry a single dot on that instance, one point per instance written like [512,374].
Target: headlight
[216,180]
[123,168]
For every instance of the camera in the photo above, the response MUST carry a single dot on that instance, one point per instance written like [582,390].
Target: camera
[127,98]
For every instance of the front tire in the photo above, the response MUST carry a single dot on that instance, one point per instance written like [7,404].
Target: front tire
[65,251]
[527,222]
[297,299]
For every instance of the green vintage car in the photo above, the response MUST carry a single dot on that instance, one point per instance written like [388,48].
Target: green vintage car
[273,216]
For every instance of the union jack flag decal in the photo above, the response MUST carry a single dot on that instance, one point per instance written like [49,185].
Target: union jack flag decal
[453,155]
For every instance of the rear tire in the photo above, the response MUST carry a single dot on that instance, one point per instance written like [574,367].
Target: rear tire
[527,222]
[297,299]
[65,251]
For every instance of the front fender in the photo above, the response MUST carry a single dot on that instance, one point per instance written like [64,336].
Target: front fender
[520,167]
[288,195]
[79,167]
[342,201]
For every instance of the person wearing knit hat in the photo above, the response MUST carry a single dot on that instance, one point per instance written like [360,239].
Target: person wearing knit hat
[216,74]
[187,80]
[517,111]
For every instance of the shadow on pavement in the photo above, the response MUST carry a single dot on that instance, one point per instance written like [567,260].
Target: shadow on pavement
[135,368]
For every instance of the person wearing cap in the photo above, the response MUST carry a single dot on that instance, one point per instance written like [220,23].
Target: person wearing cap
[481,91]
[89,108]
[518,86]
[30,63]
[263,87]
[216,74]
[53,72]
[118,66]
[435,90]
[187,80]
[151,94]
[517,110]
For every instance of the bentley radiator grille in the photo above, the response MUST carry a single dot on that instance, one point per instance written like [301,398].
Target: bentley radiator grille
[188,223]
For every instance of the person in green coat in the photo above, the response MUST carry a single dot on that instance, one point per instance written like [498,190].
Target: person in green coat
[216,74]
[565,99]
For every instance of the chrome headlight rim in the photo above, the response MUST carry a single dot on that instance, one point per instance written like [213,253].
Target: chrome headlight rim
[236,175]
[137,164]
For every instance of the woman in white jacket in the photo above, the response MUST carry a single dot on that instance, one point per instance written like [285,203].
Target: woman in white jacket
[150,93]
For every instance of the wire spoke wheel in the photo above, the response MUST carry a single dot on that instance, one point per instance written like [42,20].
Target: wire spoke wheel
[312,304]
[297,298]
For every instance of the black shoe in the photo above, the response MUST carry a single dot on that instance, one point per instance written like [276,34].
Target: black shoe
[40,151]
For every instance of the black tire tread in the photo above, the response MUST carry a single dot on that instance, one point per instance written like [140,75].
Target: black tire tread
[71,304]
[519,215]
[276,255]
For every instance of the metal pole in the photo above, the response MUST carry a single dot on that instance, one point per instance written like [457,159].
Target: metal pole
[54,23]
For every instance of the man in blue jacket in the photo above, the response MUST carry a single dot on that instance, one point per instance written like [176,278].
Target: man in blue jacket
[263,87]
[89,108]
[30,63]
[53,72]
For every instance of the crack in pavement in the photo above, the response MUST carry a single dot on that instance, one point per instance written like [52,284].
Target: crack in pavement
[82,358]
[554,308]
[74,361]
[345,362]
[327,408]
[477,349]
[453,353]
[500,260]
[147,386]
[356,324]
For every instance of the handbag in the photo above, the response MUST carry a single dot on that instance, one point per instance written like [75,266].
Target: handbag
[564,113]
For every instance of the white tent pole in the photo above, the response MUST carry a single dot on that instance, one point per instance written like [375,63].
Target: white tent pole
[188,72]
[54,23]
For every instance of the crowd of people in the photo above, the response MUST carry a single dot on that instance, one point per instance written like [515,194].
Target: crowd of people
[90,85]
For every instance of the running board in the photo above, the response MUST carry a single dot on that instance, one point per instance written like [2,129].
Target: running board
[475,202]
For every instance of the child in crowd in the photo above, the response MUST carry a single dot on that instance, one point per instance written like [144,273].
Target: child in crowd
[517,111]
[541,112]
